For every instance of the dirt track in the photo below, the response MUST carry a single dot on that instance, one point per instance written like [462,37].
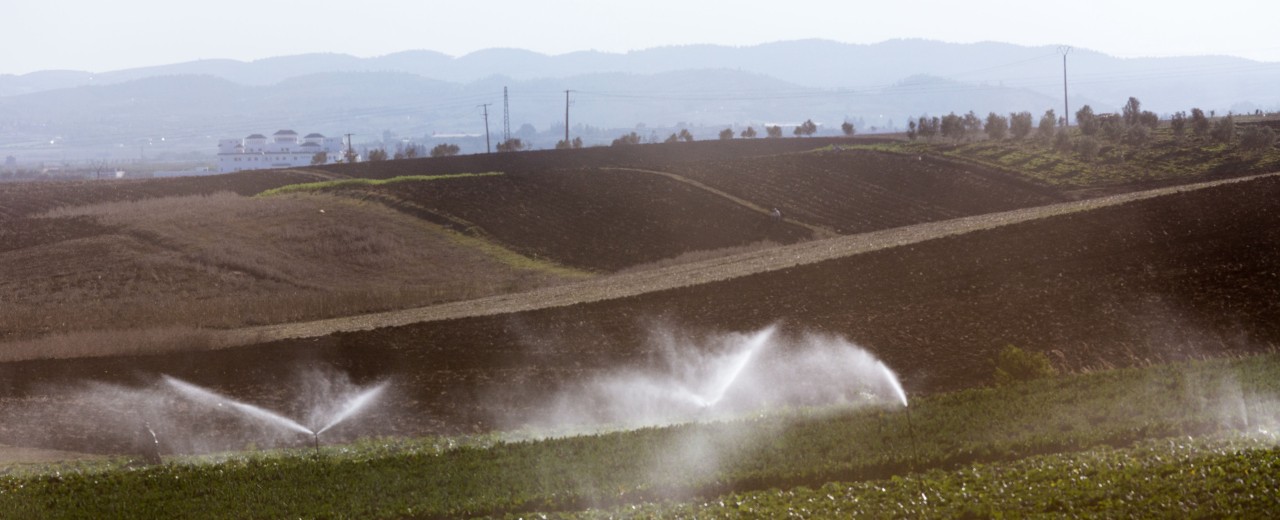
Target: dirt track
[632,284]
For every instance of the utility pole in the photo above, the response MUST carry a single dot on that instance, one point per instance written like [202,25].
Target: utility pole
[506,117]
[486,127]
[1066,112]
[351,154]
[566,119]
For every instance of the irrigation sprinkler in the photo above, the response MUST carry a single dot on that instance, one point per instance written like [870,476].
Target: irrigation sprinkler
[353,405]
[151,445]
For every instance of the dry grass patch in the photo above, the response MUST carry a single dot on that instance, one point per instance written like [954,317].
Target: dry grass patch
[225,260]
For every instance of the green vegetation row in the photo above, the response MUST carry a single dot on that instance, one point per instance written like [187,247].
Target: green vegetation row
[346,183]
[1233,477]
[785,451]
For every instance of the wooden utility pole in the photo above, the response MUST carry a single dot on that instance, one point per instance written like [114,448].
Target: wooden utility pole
[566,119]
[351,154]
[486,127]
[506,117]
[1066,112]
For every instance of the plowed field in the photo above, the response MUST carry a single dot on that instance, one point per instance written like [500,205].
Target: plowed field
[18,199]
[599,220]
[858,191]
[1189,274]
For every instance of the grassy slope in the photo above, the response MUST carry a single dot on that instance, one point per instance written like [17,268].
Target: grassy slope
[1163,159]
[1088,415]
[224,260]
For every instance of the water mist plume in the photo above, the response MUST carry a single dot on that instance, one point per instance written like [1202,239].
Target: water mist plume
[721,376]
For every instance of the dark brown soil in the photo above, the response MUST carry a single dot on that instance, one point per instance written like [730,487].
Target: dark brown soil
[1187,275]
[858,191]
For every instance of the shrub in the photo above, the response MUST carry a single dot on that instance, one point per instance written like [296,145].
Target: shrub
[511,145]
[1020,124]
[1087,147]
[444,150]
[726,134]
[997,126]
[1014,364]
[627,140]
[1224,130]
[1257,139]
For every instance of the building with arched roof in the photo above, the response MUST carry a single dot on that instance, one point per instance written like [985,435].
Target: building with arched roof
[282,150]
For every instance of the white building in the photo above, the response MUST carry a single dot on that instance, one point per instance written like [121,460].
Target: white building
[283,150]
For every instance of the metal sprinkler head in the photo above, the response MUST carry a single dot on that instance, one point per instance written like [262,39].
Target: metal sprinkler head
[315,442]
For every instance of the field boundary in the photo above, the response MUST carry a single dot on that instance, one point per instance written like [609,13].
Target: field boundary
[697,273]
[819,232]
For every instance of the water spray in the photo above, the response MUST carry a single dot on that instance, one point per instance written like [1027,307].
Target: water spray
[348,409]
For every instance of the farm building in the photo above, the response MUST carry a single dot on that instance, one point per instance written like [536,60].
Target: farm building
[282,150]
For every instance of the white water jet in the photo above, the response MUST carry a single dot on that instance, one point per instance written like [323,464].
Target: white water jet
[892,379]
[729,375]
[353,405]
[350,407]
[211,398]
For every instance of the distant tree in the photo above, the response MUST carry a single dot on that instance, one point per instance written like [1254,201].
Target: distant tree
[1137,135]
[1087,146]
[577,142]
[685,135]
[1112,127]
[1199,124]
[805,129]
[749,133]
[1149,119]
[412,151]
[1178,123]
[726,134]
[319,158]
[1255,139]
[972,123]
[911,130]
[997,126]
[1132,111]
[1048,125]
[847,128]
[773,131]
[1062,141]
[563,144]
[1224,129]
[952,127]
[377,154]
[928,127]
[1086,121]
[627,140]
[1020,124]
[514,144]
[672,138]
[444,150]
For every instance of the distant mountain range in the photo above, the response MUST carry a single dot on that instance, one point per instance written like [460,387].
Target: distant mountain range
[419,93]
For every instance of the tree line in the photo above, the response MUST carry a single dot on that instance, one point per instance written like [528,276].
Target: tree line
[1132,126]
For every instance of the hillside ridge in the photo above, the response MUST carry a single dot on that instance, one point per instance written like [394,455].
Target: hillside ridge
[696,273]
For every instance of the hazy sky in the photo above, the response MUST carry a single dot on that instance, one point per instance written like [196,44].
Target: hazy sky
[99,35]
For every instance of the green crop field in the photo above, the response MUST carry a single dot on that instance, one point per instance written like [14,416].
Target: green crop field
[974,452]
